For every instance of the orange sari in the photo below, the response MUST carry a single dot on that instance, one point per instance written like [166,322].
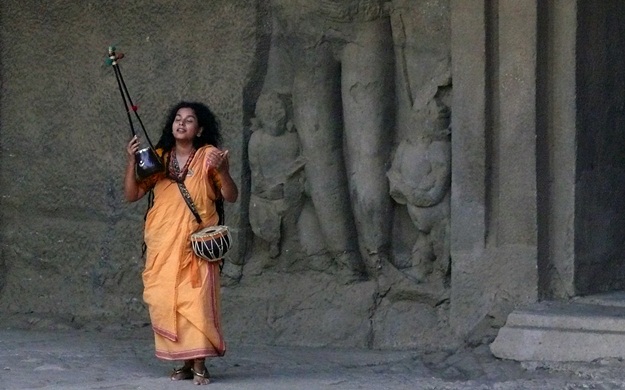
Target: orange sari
[180,289]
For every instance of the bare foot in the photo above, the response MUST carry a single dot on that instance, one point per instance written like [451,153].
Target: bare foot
[185,372]
[200,373]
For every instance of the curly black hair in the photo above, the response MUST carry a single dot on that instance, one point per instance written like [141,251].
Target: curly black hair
[211,134]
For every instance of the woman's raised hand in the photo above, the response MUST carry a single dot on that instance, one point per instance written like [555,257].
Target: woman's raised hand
[218,160]
[132,148]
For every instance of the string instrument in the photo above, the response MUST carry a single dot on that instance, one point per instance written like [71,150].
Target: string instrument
[147,162]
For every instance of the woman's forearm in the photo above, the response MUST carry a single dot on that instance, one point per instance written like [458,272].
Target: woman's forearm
[132,190]
[229,189]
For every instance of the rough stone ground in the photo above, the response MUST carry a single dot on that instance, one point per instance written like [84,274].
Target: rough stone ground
[46,356]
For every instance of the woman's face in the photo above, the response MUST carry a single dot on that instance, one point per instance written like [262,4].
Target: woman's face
[185,126]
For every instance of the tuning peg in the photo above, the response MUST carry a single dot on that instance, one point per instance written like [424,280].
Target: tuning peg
[113,58]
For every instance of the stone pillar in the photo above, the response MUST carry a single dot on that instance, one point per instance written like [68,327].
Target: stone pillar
[556,148]
[494,193]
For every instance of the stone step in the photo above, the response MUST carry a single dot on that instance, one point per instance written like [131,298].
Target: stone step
[583,329]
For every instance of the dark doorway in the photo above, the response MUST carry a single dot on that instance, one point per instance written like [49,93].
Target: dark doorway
[600,164]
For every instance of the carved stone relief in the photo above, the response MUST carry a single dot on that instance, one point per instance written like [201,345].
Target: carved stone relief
[276,166]
[420,177]
[373,131]
[420,173]
[342,89]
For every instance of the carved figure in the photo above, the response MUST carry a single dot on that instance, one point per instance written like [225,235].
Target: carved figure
[420,178]
[342,56]
[275,163]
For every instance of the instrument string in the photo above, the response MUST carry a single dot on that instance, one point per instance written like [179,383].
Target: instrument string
[119,85]
[127,100]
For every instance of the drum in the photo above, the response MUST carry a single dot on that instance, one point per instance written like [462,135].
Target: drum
[211,243]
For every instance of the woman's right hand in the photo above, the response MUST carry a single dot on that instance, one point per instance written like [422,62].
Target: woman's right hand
[132,190]
[132,148]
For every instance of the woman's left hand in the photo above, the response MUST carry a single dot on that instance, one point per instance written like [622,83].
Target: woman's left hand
[218,160]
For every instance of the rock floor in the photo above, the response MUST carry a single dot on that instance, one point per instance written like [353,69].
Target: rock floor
[124,359]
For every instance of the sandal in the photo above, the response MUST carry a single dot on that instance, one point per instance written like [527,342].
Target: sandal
[201,378]
[182,373]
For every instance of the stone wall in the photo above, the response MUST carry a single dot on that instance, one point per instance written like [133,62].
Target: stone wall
[351,252]
[70,243]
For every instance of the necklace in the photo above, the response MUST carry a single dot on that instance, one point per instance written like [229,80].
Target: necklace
[173,167]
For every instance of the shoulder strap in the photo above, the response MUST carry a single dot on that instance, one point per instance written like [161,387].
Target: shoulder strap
[189,201]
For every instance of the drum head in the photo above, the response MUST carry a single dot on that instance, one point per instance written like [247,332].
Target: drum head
[210,230]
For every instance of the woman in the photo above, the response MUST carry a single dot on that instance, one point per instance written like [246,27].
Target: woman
[180,289]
